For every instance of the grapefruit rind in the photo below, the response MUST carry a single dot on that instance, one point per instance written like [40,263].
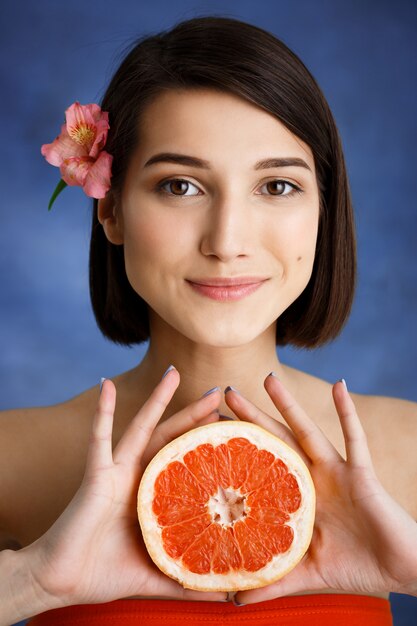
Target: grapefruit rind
[301,521]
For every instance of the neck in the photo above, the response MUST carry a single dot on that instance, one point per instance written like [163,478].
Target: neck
[202,367]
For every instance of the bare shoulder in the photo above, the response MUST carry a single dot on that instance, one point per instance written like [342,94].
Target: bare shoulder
[30,430]
[387,406]
[394,418]
[391,427]
[42,451]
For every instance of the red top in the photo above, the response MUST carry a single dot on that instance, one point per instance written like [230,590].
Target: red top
[309,610]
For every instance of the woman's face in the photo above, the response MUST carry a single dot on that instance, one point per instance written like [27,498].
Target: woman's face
[219,253]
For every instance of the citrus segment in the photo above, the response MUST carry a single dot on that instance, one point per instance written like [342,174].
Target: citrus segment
[177,480]
[178,537]
[221,455]
[226,506]
[268,516]
[198,556]
[256,553]
[202,464]
[242,455]
[256,472]
[283,495]
[227,554]
[280,537]
[172,510]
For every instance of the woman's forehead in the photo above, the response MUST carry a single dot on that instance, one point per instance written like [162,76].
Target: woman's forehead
[216,125]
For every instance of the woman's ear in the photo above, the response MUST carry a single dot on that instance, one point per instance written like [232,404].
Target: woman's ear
[110,217]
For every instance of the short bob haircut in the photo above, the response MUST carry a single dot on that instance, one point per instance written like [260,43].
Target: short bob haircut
[231,56]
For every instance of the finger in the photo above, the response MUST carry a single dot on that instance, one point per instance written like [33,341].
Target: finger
[248,412]
[137,435]
[357,451]
[171,590]
[301,579]
[99,453]
[310,437]
[202,596]
[199,413]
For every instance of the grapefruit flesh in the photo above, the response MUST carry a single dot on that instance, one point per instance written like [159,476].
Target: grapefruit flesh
[226,506]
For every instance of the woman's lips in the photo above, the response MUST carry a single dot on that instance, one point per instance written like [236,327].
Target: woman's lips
[226,289]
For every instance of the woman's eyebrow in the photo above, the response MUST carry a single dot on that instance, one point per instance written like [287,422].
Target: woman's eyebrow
[184,159]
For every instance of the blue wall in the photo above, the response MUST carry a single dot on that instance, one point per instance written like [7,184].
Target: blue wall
[364,55]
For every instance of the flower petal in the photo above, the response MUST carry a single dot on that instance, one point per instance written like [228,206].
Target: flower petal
[87,124]
[74,170]
[102,126]
[94,114]
[97,182]
[77,114]
[63,147]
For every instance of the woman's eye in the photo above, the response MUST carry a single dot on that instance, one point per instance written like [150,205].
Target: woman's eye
[177,187]
[280,187]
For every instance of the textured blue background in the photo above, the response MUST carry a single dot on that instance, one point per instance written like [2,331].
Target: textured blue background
[364,56]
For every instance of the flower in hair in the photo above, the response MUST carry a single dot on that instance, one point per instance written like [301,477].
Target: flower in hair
[78,151]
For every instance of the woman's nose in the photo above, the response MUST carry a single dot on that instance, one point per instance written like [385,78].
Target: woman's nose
[228,231]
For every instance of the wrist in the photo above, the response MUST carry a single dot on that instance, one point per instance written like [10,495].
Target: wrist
[21,594]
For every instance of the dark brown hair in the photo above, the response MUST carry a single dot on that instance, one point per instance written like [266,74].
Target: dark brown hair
[232,56]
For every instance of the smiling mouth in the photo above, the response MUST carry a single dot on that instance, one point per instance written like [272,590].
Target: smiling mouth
[227,289]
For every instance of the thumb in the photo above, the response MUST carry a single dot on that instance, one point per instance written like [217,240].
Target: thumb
[299,580]
[172,590]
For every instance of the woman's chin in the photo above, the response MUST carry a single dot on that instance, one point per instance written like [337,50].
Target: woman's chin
[215,337]
[215,331]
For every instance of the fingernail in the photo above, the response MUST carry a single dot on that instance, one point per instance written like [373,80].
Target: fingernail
[101,383]
[236,603]
[171,367]
[210,391]
[229,388]
[272,374]
[342,380]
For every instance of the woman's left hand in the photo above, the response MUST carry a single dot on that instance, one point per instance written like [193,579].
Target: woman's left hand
[363,540]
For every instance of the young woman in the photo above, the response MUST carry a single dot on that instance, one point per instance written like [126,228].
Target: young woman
[227,230]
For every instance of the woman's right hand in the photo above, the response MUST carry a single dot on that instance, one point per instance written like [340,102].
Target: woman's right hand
[94,552]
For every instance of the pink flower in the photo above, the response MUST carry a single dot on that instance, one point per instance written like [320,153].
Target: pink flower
[78,150]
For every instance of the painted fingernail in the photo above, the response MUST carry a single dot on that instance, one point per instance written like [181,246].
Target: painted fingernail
[101,383]
[227,417]
[229,388]
[171,367]
[210,391]
[342,380]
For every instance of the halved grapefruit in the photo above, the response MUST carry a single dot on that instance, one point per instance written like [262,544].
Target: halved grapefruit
[226,506]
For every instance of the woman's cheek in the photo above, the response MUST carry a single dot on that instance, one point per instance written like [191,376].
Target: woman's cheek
[152,248]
